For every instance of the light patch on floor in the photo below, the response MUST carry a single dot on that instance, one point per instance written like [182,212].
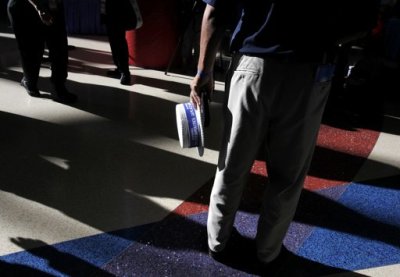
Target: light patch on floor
[384,271]
[384,159]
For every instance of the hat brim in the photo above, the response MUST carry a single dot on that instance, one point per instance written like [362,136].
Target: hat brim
[200,120]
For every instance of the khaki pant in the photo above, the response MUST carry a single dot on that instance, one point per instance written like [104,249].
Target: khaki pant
[278,104]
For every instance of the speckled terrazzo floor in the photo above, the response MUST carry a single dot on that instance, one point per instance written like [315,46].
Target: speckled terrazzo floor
[102,188]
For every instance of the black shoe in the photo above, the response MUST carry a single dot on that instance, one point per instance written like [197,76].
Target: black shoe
[114,73]
[125,79]
[239,253]
[236,247]
[275,267]
[34,92]
[62,95]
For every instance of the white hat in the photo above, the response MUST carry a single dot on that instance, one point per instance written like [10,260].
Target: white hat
[189,122]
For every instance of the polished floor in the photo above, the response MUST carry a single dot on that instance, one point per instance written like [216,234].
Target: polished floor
[102,187]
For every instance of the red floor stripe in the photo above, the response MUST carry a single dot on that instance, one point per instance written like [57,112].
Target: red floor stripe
[338,157]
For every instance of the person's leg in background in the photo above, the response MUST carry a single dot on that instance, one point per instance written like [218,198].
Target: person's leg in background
[29,34]
[119,50]
[57,44]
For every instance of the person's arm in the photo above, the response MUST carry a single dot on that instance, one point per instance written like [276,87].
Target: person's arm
[210,38]
[44,14]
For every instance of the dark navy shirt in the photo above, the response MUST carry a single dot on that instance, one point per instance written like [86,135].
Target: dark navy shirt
[284,26]
[273,27]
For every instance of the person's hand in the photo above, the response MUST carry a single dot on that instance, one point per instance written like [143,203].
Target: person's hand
[46,18]
[201,83]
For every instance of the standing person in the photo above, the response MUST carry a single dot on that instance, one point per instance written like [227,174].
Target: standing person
[276,91]
[38,23]
[120,16]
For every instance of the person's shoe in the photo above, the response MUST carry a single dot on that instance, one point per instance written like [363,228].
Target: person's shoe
[114,73]
[233,250]
[239,253]
[34,92]
[62,95]
[125,79]
[276,266]
[222,256]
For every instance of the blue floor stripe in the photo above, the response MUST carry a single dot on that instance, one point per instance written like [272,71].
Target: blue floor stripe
[375,202]
[80,257]
[366,237]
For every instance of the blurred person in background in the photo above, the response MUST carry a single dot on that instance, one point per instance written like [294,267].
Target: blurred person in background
[37,24]
[118,17]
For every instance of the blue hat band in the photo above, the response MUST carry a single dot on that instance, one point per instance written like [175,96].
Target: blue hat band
[194,132]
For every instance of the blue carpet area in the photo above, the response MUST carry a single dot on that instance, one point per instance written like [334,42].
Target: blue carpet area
[177,247]
[333,232]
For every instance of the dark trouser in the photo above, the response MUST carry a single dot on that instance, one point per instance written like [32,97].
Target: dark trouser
[32,36]
[119,46]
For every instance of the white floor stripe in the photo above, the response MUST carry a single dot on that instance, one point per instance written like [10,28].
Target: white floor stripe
[384,271]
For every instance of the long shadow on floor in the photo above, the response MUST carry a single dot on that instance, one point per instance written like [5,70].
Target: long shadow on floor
[11,269]
[54,262]
[125,106]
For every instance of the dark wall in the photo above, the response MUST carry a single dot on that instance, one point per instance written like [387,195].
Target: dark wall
[3,10]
